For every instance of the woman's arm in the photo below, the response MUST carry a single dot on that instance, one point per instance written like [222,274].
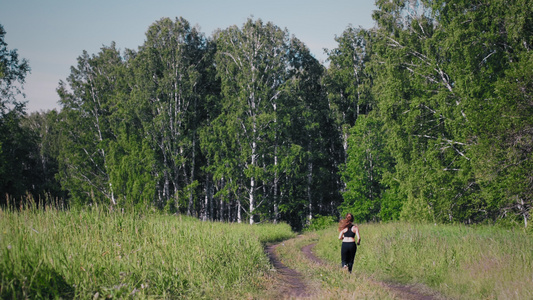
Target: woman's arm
[358,236]
[341,234]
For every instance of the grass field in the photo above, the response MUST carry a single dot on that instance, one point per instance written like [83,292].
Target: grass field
[95,253]
[460,262]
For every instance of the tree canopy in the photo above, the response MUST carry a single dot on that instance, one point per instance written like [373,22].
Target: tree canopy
[427,116]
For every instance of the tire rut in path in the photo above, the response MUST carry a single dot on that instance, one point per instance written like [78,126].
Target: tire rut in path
[293,283]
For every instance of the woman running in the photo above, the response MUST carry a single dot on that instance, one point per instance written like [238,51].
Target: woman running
[347,234]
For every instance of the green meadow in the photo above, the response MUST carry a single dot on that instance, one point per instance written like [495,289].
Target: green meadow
[95,253]
[458,262]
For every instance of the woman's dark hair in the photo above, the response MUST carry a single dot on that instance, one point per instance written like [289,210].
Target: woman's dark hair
[346,222]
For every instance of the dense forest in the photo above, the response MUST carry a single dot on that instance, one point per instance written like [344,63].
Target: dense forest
[427,116]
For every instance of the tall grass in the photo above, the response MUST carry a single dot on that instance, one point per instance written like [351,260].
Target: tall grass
[458,261]
[97,253]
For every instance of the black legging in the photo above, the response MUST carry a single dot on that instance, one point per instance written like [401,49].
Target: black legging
[348,254]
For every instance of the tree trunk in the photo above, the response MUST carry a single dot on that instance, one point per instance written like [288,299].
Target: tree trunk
[276,180]
[209,196]
[251,192]
[309,193]
[239,217]
[220,216]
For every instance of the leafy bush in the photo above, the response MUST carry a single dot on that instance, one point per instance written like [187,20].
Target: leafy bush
[320,222]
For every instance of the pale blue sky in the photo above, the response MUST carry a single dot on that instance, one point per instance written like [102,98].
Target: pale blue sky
[51,34]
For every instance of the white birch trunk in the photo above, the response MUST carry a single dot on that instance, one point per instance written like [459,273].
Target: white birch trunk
[276,179]
[239,216]
[309,196]
[251,192]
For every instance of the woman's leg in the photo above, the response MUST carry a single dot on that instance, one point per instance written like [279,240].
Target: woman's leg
[351,255]
[345,255]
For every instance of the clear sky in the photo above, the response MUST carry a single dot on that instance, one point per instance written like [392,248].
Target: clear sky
[51,34]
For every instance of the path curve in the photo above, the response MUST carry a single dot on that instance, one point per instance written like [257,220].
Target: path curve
[308,252]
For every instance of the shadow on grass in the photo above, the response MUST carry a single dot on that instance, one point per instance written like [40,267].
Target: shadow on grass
[45,283]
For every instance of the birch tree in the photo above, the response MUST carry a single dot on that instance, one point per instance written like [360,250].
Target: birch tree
[251,63]
[167,96]
[87,104]
[347,81]
[437,68]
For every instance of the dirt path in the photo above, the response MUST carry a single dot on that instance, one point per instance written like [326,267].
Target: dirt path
[308,251]
[294,286]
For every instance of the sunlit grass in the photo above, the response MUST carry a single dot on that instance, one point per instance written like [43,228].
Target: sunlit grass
[94,252]
[458,261]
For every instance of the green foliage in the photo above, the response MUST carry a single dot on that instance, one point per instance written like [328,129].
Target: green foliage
[274,127]
[17,156]
[251,64]
[12,73]
[347,80]
[89,126]
[368,159]
[391,205]
[320,222]
[132,173]
[427,116]
[453,104]
[19,161]
[130,121]
[171,72]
